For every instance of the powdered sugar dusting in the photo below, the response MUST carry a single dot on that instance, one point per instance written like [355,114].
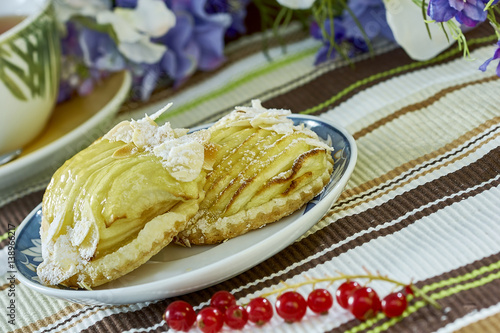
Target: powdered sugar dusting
[276,120]
[258,117]
[61,261]
[181,154]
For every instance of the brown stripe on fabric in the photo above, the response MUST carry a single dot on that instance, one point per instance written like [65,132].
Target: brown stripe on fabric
[396,177]
[119,322]
[13,213]
[8,284]
[80,319]
[420,105]
[162,93]
[489,324]
[452,307]
[482,170]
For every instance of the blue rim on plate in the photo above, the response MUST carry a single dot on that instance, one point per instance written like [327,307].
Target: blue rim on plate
[213,264]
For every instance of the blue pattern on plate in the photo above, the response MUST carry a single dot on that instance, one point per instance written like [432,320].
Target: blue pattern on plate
[28,249]
[341,153]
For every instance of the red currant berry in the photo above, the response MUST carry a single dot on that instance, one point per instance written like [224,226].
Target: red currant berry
[344,291]
[209,320]
[291,306]
[236,317]
[409,290]
[180,316]
[222,300]
[260,311]
[364,303]
[320,301]
[394,304]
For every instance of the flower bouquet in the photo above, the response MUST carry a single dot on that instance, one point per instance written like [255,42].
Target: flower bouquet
[164,42]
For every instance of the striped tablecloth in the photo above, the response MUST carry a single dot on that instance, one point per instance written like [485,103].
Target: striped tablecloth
[422,206]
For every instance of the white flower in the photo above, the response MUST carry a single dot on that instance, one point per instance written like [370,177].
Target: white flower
[65,9]
[153,17]
[135,27]
[142,51]
[296,4]
[121,20]
[405,20]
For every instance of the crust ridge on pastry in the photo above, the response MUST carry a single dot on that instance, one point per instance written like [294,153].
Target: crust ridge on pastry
[118,202]
[265,168]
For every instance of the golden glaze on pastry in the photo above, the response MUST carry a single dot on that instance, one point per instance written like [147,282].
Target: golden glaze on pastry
[115,204]
[265,168]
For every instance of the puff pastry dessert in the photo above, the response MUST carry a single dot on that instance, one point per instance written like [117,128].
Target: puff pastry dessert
[265,168]
[115,204]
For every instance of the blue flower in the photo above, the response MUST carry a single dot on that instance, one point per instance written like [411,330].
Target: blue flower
[181,58]
[196,41]
[327,51]
[235,8]
[468,12]
[370,15]
[496,55]
[100,52]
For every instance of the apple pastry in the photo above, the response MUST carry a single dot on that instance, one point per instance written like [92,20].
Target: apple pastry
[115,204]
[265,168]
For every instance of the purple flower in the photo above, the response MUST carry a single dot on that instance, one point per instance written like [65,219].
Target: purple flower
[70,45]
[100,51]
[145,78]
[65,91]
[237,10]
[468,12]
[181,57]
[496,56]
[371,17]
[327,51]
[195,42]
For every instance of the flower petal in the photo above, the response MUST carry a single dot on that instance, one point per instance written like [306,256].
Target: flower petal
[496,55]
[474,11]
[485,65]
[120,20]
[153,17]
[324,54]
[296,4]
[210,39]
[457,4]
[440,10]
[410,33]
[142,51]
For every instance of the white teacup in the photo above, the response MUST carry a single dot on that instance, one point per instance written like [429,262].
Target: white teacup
[29,70]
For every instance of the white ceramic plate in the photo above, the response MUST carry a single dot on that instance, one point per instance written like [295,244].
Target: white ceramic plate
[73,126]
[177,270]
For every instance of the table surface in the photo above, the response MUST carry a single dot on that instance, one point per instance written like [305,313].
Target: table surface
[422,205]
